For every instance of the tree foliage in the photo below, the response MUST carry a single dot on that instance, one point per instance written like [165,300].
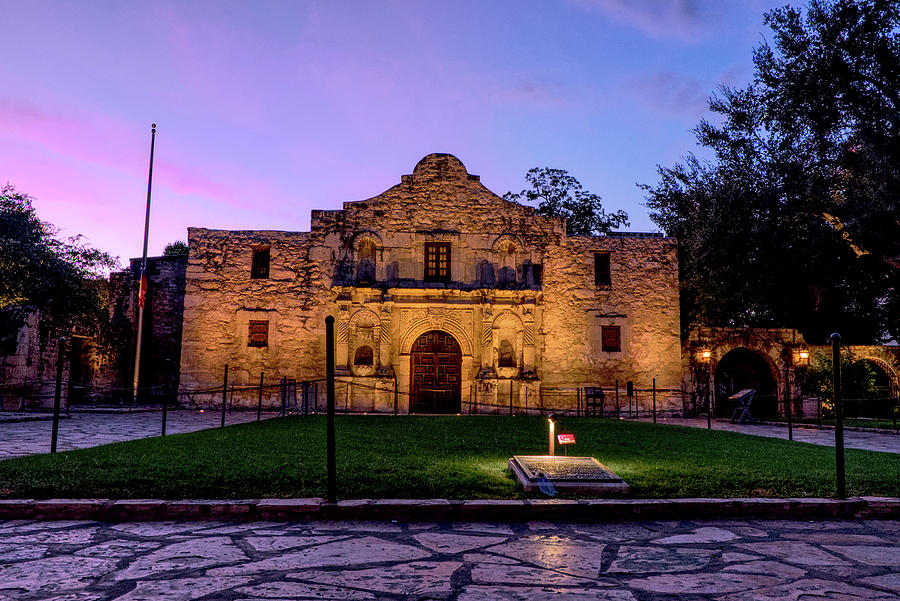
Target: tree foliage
[558,194]
[65,279]
[175,249]
[796,219]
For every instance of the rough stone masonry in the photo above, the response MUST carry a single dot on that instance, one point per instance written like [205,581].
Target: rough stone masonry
[447,299]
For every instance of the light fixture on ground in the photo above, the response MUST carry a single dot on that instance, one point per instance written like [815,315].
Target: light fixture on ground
[580,475]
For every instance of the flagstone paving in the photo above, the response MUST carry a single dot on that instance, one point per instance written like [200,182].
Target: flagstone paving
[82,430]
[886,442]
[348,561]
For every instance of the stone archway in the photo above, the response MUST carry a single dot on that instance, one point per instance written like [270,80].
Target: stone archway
[743,368]
[435,374]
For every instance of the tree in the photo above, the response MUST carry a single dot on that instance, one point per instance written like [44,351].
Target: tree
[65,279]
[796,219]
[558,194]
[175,249]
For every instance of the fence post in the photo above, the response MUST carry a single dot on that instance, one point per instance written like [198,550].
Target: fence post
[224,394]
[57,394]
[259,403]
[629,390]
[329,423]
[165,404]
[510,399]
[654,400]
[787,400]
[617,398]
[838,417]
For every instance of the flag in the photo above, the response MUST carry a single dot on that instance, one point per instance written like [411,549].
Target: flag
[142,293]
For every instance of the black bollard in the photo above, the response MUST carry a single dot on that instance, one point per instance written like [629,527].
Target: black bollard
[787,401]
[329,383]
[617,398]
[57,395]
[259,404]
[224,395]
[838,417]
[165,404]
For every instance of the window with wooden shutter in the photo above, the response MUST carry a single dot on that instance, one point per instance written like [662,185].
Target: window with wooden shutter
[612,339]
[258,335]
[437,261]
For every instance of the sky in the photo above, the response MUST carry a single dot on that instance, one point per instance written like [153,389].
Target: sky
[267,110]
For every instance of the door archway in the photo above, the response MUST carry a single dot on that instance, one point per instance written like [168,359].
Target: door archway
[742,368]
[435,373]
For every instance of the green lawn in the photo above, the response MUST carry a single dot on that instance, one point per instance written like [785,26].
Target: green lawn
[449,457]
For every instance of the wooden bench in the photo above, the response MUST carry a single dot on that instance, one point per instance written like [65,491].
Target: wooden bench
[742,400]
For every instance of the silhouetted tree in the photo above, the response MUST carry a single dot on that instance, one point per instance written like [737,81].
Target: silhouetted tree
[558,194]
[796,221]
[175,249]
[65,279]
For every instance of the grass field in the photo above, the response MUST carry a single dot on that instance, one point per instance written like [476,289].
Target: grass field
[448,457]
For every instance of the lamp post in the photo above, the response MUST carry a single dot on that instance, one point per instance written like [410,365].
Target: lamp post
[705,355]
[552,430]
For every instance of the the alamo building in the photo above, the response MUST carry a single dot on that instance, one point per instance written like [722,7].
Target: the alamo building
[446,297]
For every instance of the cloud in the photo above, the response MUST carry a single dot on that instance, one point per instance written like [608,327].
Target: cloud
[671,93]
[98,140]
[685,20]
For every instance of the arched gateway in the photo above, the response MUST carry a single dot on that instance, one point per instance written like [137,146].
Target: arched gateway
[435,374]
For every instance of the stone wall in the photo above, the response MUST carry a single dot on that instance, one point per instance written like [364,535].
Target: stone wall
[161,337]
[28,362]
[520,301]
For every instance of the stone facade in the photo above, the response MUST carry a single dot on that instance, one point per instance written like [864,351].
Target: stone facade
[161,337]
[521,301]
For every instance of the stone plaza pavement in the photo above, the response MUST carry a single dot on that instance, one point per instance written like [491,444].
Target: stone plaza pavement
[265,561]
[82,430]
[853,439]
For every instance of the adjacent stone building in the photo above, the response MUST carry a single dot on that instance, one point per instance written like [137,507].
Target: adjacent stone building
[447,299]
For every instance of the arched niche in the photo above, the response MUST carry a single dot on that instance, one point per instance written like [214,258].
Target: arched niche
[364,334]
[507,344]
[366,250]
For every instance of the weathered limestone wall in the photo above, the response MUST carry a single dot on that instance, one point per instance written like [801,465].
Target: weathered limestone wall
[161,337]
[520,301]
[28,363]
[642,300]
[221,299]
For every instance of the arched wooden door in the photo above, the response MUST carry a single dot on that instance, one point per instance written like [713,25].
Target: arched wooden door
[435,374]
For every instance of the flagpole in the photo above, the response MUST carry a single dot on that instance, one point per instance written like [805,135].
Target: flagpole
[142,290]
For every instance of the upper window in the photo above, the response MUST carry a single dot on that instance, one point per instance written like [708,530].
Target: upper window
[612,339]
[260,266]
[437,261]
[601,269]
[258,333]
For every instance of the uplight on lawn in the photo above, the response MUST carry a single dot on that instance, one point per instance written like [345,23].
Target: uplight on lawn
[550,474]
[552,426]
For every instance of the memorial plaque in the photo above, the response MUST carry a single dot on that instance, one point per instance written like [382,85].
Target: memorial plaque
[567,474]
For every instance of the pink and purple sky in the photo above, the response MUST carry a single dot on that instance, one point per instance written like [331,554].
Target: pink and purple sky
[266,110]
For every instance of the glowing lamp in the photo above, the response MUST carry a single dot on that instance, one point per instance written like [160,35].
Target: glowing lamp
[552,427]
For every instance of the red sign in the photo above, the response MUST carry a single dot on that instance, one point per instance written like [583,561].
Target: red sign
[566,438]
